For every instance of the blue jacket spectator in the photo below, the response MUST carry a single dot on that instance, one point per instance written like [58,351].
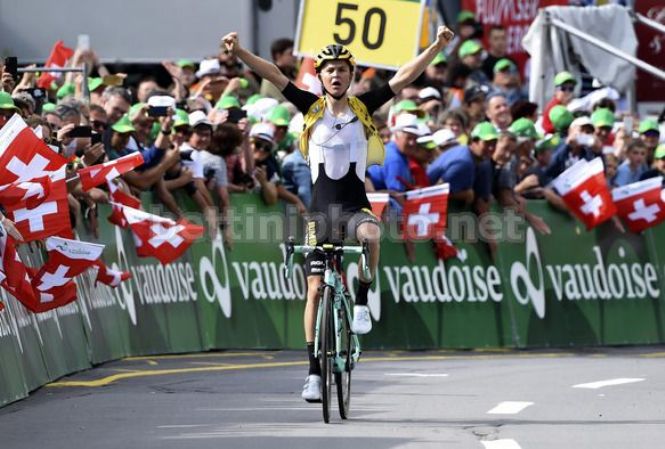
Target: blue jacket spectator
[296,177]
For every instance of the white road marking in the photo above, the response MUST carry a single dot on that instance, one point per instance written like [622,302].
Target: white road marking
[609,382]
[501,444]
[414,375]
[509,408]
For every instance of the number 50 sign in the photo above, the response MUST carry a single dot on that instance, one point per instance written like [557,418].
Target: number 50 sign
[379,33]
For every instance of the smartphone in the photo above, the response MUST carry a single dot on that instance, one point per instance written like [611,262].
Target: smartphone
[235,115]
[83,42]
[96,138]
[157,111]
[80,131]
[11,66]
[584,139]
[113,80]
[628,124]
[36,93]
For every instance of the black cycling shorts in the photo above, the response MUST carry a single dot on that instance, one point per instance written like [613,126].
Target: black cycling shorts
[320,229]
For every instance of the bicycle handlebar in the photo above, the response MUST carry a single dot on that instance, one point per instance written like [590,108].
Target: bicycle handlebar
[292,248]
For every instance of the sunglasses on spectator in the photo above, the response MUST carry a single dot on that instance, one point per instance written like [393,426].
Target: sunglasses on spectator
[567,88]
[96,124]
[262,146]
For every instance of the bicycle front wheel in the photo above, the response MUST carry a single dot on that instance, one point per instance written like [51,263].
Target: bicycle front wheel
[343,377]
[326,351]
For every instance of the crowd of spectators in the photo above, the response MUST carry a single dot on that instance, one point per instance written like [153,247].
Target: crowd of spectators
[467,121]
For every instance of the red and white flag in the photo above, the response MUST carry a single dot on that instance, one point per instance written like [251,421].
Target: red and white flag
[109,276]
[98,174]
[23,156]
[307,78]
[28,193]
[583,188]
[444,248]
[425,212]
[159,237]
[66,259]
[118,200]
[57,59]
[379,201]
[641,204]
[50,218]
[12,269]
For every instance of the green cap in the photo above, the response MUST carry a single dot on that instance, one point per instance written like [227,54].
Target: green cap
[253,99]
[181,118]
[227,102]
[469,47]
[48,107]
[280,116]
[136,107]
[548,142]
[484,131]
[6,101]
[66,90]
[660,152]
[440,58]
[123,125]
[94,84]
[465,15]
[648,125]
[244,84]
[406,106]
[602,117]
[523,127]
[503,64]
[182,63]
[561,117]
[564,77]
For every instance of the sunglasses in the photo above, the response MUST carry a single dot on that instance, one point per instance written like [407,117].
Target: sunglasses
[567,88]
[96,124]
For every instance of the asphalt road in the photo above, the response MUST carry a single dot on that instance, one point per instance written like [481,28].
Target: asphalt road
[610,398]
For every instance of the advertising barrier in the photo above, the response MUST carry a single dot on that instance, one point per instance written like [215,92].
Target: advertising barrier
[571,288]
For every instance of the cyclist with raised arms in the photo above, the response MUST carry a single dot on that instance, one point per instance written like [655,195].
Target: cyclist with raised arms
[340,141]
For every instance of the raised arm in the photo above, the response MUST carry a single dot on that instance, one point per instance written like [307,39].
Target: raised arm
[263,68]
[412,69]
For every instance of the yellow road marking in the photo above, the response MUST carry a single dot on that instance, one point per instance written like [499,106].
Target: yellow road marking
[152,363]
[195,356]
[104,381]
[654,355]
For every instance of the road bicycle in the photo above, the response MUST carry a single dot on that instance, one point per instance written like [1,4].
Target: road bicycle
[335,345]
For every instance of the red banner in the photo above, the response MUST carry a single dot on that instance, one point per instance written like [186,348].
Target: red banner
[650,50]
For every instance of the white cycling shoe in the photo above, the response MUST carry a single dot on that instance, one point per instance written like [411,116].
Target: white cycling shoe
[362,322]
[311,391]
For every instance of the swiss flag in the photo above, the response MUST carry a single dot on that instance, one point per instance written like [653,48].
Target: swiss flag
[109,276]
[12,270]
[51,217]
[98,174]
[444,248]
[159,237]
[583,188]
[58,59]
[425,212]
[52,299]
[23,155]
[641,204]
[28,193]
[378,202]
[307,78]
[118,200]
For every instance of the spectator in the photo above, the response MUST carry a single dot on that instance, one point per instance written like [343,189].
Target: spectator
[280,117]
[266,173]
[436,72]
[455,121]
[395,176]
[421,157]
[658,168]
[561,119]
[98,119]
[226,141]
[611,166]
[525,131]
[459,165]
[498,49]
[444,139]
[297,177]
[506,81]
[471,54]
[603,122]
[536,176]
[526,109]
[146,86]
[116,102]
[281,51]
[575,146]
[458,79]
[634,166]
[429,101]
[7,108]
[650,135]
[564,85]
[474,105]
[498,112]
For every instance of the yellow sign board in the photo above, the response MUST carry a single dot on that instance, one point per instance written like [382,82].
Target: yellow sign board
[379,33]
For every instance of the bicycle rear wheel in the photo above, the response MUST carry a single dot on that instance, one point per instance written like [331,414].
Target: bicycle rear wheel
[326,351]
[343,378]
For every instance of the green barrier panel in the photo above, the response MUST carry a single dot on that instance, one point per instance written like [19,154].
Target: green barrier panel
[570,288]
